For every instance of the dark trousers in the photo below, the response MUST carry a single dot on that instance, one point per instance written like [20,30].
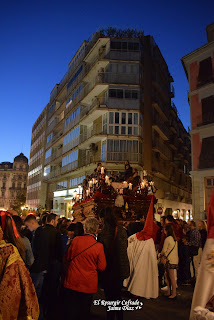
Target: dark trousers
[77,305]
[38,279]
[113,294]
[51,288]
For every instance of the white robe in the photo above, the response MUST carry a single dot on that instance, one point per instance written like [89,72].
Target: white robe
[143,280]
[204,288]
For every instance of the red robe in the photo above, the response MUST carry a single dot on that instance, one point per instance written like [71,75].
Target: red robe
[18,300]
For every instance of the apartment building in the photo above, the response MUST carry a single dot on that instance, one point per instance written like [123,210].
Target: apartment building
[114,104]
[199,69]
[36,188]
[13,181]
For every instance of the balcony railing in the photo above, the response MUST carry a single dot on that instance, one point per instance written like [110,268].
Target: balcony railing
[123,55]
[123,156]
[205,119]
[157,121]
[162,148]
[54,156]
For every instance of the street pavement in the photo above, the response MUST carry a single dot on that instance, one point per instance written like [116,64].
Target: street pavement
[153,309]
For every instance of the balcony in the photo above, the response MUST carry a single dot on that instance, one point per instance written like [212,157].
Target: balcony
[161,127]
[57,136]
[123,156]
[123,55]
[205,119]
[159,167]
[53,124]
[163,108]
[54,156]
[160,147]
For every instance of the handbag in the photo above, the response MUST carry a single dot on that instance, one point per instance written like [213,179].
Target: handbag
[164,259]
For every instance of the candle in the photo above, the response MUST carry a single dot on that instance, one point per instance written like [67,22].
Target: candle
[106,179]
[102,170]
[87,193]
[142,184]
[125,183]
[90,183]
[77,197]
[130,186]
[144,173]
[75,194]
[93,180]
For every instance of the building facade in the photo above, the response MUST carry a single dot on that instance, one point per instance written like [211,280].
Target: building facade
[114,104]
[36,188]
[13,181]
[199,68]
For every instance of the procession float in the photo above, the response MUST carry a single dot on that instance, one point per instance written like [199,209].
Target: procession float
[127,194]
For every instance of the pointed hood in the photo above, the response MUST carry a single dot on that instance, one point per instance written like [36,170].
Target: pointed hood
[147,232]
[210,218]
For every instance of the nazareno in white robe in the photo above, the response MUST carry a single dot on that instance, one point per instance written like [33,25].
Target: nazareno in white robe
[204,288]
[143,280]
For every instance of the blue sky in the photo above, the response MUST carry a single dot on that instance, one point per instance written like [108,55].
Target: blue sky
[39,38]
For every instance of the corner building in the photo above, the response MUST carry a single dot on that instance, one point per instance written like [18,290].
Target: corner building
[199,69]
[114,104]
[13,181]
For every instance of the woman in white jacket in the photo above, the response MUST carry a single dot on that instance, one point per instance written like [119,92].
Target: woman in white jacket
[170,254]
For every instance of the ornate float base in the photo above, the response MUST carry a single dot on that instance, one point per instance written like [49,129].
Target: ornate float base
[127,213]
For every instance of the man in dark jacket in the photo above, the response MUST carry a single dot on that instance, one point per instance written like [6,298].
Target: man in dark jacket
[136,226]
[114,240]
[55,257]
[40,251]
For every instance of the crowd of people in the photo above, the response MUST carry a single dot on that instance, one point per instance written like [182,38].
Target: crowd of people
[56,261]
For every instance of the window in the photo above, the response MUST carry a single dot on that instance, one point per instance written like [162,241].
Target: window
[72,136]
[129,118]
[48,153]
[111,117]
[50,137]
[70,158]
[104,151]
[73,117]
[117,123]
[122,150]
[205,71]
[116,93]
[74,77]
[123,118]
[116,117]
[208,110]
[123,130]
[62,185]
[135,118]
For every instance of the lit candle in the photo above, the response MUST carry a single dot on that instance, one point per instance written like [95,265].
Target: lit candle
[142,184]
[125,183]
[102,170]
[90,183]
[106,179]
[130,186]
[75,194]
[93,180]
[144,173]
[87,193]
